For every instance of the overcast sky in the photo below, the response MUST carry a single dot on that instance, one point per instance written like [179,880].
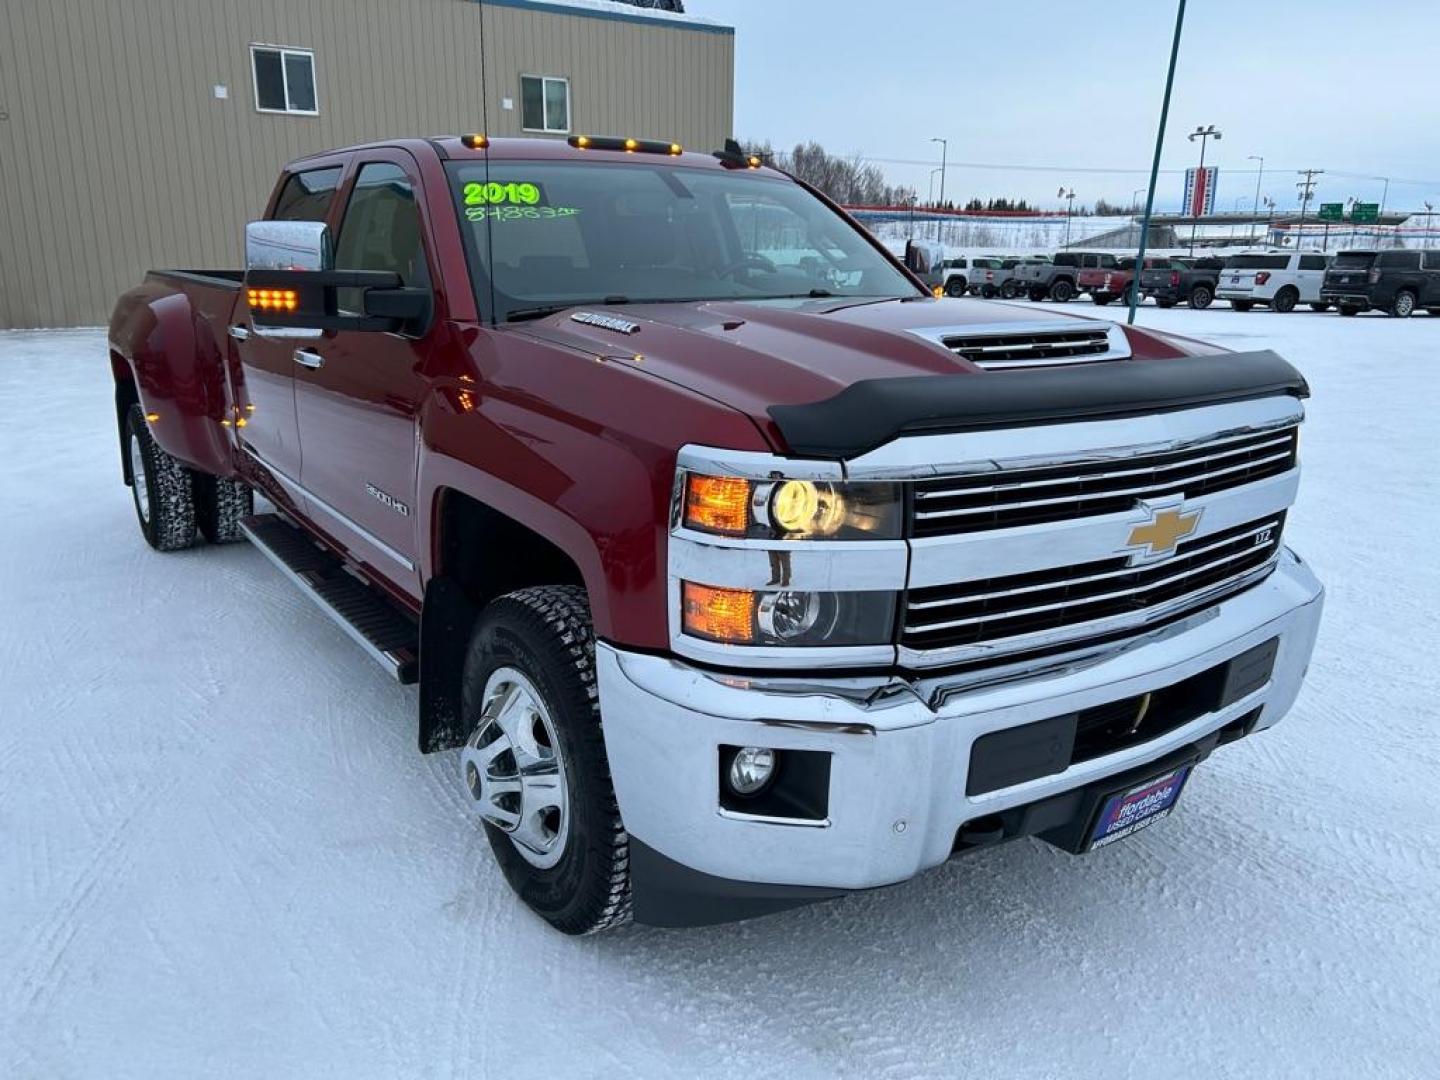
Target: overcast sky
[1352,88]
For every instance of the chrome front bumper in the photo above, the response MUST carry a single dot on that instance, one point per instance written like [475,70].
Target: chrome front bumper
[900,748]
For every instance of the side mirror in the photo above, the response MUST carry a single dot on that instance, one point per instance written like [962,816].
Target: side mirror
[917,259]
[291,285]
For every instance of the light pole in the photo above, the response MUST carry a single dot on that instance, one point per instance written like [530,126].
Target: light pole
[1269,217]
[1203,134]
[944,149]
[1384,195]
[1135,199]
[1155,161]
[1429,209]
[932,185]
[1069,210]
[1258,177]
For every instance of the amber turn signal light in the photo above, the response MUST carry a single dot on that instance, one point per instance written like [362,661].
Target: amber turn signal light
[718,614]
[717,504]
[274,299]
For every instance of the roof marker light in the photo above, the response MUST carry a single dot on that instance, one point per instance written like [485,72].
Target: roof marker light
[631,146]
[476,142]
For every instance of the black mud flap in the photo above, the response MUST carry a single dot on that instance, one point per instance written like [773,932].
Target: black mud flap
[447,620]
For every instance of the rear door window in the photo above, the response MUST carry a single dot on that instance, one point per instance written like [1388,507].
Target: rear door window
[307,196]
[1432,260]
[1400,260]
[1312,262]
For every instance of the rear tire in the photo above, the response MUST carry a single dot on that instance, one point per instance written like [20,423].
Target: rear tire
[162,488]
[1319,307]
[1285,300]
[1201,297]
[1062,291]
[220,504]
[955,287]
[582,884]
[1008,291]
[1242,305]
[1101,298]
[1165,303]
[1036,295]
[1348,310]
[988,291]
[1403,306]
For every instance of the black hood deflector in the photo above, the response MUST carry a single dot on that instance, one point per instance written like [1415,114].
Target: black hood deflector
[872,412]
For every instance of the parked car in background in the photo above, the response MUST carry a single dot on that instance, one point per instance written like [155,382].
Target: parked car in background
[1056,280]
[1105,284]
[953,276]
[1010,285]
[1278,279]
[1185,281]
[985,273]
[1396,282]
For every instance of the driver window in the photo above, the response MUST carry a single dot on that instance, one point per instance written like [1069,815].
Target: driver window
[380,231]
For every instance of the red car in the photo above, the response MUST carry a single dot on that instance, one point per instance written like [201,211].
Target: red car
[735,569]
[1107,284]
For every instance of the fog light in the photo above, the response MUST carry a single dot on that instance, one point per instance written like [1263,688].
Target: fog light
[751,769]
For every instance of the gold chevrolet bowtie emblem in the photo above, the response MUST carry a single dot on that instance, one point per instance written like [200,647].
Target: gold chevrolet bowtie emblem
[1164,530]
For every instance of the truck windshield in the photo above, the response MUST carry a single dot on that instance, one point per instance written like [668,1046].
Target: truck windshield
[543,234]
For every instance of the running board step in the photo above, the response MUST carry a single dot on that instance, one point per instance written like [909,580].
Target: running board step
[378,626]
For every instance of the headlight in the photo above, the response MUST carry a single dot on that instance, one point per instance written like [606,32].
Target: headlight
[787,617]
[792,509]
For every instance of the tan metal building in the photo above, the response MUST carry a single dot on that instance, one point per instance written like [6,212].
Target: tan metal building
[147,132]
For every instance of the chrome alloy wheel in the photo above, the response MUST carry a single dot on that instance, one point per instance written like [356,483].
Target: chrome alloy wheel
[513,769]
[139,483]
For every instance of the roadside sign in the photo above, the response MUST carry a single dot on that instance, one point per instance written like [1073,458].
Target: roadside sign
[1365,211]
[1200,190]
[1331,211]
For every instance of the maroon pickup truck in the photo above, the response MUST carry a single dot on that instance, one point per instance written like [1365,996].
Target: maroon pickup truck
[1106,284]
[735,569]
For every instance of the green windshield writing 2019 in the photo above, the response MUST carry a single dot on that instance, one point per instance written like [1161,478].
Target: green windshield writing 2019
[494,194]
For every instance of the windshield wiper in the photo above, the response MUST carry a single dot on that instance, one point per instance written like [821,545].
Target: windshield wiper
[524,314]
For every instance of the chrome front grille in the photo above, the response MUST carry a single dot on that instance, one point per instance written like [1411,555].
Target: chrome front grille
[996,500]
[1071,602]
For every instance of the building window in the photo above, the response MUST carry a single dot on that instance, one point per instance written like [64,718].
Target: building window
[284,80]
[545,104]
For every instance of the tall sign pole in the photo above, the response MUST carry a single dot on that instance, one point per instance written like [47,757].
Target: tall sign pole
[1155,163]
[1307,192]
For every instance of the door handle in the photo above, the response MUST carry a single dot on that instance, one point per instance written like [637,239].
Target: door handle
[240,333]
[309,358]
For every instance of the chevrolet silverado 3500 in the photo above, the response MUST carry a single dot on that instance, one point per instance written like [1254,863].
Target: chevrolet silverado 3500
[735,569]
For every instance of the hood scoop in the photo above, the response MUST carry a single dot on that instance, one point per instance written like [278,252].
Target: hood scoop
[1037,345]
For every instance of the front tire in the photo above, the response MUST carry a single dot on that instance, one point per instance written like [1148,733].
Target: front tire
[1009,291]
[1403,306]
[162,488]
[1062,291]
[955,287]
[534,766]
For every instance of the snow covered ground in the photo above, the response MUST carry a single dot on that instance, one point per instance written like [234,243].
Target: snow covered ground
[222,856]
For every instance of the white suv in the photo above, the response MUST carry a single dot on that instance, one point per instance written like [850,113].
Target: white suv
[1280,279]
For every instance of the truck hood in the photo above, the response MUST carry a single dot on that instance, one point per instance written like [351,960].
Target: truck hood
[753,355]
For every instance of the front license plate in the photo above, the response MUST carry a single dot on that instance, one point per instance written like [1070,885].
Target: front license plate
[1127,812]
